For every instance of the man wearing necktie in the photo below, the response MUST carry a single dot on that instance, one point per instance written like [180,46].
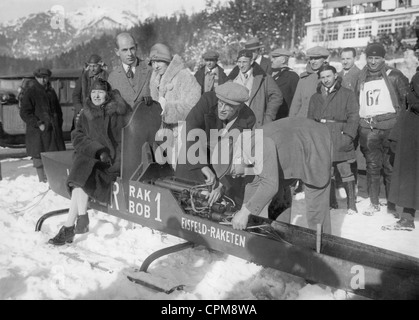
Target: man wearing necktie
[211,74]
[132,76]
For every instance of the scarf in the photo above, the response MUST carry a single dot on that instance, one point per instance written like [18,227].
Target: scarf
[367,71]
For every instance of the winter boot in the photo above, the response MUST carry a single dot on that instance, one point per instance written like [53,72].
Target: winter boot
[406,222]
[372,209]
[82,224]
[333,202]
[351,197]
[65,235]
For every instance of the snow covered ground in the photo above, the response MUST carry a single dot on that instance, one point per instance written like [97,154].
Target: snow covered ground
[96,265]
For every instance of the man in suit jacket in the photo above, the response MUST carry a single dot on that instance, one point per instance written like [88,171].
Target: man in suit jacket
[211,75]
[132,76]
[285,78]
[255,47]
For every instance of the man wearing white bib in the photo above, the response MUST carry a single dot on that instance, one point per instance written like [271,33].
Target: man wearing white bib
[382,94]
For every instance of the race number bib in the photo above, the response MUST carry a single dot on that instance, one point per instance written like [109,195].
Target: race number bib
[375,99]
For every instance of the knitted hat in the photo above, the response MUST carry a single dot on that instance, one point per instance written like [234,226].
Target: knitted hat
[42,72]
[232,93]
[375,50]
[160,52]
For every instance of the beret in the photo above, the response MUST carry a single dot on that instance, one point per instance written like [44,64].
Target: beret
[210,55]
[42,72]
[252,44]
[375,50]
[245,53]
[318,52]
[232,93]
[281,52]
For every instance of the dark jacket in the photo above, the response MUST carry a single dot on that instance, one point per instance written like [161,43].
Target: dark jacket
[204,116]
[99,129]
[400,87]
[287,81]
[404,190]
[200,77]
[266,65]
[341,104]
[265,96]
[41,106]
[82,89]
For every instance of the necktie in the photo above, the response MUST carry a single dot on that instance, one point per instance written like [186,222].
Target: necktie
[130,74]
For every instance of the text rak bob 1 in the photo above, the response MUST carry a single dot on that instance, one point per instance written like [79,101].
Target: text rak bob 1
[247,146]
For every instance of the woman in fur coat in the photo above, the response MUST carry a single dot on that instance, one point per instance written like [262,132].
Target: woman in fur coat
[97,156]
[175,88]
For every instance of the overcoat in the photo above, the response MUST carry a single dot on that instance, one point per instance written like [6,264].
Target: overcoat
[99,129]
[287,81]
[404,190]
[265,96]
[40,105]
[340,105]
[200,77]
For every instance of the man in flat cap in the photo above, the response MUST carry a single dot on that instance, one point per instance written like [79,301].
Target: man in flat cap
[94,69]
[132,76]
[225,112]
[254,46]
[382,93]
[285,78]
[211,75]
[265,96]
[41,111]
[309,80]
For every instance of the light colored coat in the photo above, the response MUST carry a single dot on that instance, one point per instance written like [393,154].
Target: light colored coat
[132,92]
[180,89]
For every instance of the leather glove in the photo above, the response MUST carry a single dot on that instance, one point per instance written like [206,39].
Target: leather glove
[148,100]
[105,158]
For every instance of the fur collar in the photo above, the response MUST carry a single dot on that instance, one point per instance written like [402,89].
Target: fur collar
[175,66]
[114,105]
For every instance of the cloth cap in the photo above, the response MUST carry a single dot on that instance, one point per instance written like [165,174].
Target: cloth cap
[375,50]
[232,93]
[42,72]
[253,43]
[281,52]
[100,84]
[245,53]
[94,59]
[318,52]
[160,52]
[210,55]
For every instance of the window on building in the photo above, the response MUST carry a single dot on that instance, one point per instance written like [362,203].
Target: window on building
[318,35]
[400,24]
[364,31]
[384,27]
[332,33]
[349,33]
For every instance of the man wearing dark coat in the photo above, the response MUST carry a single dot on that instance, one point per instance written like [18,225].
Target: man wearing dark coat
[404,189]
[285,78]
[222,110]
[211,75]
[92,71]
[253,45]
[41,111]
[337,109]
